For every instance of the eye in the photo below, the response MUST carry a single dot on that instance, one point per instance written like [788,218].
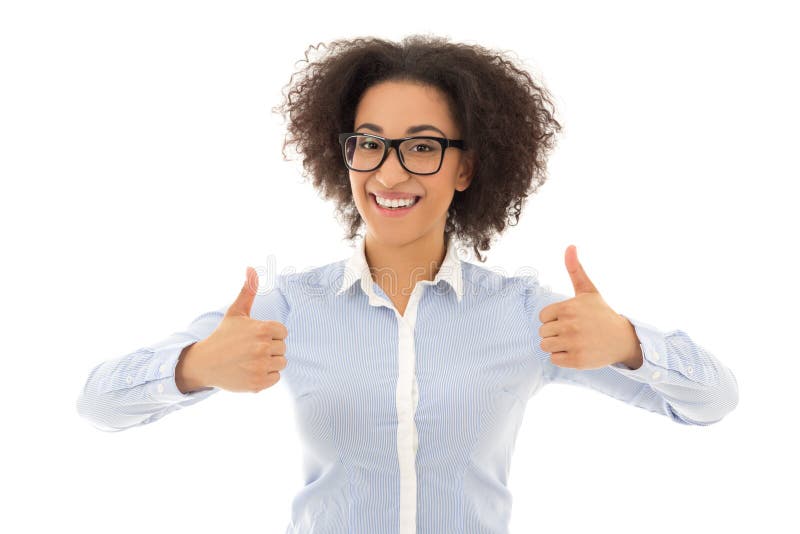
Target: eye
[368,142]
[423,146]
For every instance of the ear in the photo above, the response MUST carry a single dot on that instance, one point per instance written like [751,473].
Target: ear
[466,170]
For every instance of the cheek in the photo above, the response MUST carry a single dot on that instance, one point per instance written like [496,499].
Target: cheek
[361,206]
[357,191]
[438,200]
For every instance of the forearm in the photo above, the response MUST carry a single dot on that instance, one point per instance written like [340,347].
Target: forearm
[135,389]
[693,385]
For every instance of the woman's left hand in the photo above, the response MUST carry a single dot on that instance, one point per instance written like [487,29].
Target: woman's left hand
[584,332]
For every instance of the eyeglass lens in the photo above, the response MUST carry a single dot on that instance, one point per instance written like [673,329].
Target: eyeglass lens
[364,152]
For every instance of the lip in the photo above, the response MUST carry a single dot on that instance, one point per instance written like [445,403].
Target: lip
[399,212]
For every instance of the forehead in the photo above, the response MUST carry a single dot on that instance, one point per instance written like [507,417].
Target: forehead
[394,105]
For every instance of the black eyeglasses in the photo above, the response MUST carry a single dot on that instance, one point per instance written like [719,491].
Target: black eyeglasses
[418,155]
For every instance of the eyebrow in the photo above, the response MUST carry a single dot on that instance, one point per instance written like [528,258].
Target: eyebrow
[411,129]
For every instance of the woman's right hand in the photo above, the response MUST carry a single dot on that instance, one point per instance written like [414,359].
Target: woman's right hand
[241,354]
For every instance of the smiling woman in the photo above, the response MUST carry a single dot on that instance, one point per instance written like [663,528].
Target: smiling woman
[409,368]
[395,104]
[428,86]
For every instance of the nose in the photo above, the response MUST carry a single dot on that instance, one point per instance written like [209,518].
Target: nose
[391,172]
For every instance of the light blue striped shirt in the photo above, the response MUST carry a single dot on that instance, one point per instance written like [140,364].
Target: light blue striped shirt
[408,422]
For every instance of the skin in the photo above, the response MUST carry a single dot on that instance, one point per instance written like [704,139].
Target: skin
[244,354]
[583,332]
[404,250]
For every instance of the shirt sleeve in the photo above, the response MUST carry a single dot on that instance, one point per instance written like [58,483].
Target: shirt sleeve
[139,388]
[678,378]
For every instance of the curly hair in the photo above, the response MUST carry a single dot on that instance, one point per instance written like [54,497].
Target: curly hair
[495,103]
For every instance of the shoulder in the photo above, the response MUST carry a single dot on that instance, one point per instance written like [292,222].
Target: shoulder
[495,282]
[316,281]
[280,293]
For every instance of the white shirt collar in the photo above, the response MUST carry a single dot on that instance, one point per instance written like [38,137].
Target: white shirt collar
[357,269]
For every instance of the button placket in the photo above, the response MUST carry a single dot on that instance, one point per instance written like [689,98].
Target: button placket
[407,396]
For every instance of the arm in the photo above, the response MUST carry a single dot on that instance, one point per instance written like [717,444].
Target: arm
[153,381]
[677,378]
[141,387]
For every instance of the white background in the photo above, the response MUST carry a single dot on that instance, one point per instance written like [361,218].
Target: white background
[141,173]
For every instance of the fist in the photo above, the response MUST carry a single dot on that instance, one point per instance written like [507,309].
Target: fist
[243,354]
[584,332]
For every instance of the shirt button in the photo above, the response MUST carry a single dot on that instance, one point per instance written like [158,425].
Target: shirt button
[690,369]
[163,369]
[655,356]
[129,379]
[160,388]
[656,375]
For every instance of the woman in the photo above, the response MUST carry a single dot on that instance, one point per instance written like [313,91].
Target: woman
[410,368]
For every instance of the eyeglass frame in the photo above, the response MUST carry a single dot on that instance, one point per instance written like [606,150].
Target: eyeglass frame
[395,143]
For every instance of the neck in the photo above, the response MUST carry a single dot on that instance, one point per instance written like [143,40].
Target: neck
[398,268]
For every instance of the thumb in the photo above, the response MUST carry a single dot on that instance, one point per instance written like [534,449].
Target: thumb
[580,280]
[243,302]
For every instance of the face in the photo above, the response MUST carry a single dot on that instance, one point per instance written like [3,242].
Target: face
[391,108]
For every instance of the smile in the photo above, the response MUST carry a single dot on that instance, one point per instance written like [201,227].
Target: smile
[392,211]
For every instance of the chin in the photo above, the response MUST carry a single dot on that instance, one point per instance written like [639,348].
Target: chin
[394,238]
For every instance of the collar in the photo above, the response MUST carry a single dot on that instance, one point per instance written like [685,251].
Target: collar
[357,269]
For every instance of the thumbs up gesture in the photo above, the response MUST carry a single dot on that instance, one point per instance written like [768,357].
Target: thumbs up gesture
[241,354]
[584,332]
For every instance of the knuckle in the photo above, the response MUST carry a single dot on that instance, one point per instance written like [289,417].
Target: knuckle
[263,380]
[571,327]
[565,361]
[261,349]
[265,329]
[277,329]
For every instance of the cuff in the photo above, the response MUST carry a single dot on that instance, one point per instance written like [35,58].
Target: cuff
[160,377]
[654,351]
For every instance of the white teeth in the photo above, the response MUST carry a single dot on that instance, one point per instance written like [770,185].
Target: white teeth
[394,203]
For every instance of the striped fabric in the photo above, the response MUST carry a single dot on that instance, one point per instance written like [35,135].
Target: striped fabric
[408,422]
